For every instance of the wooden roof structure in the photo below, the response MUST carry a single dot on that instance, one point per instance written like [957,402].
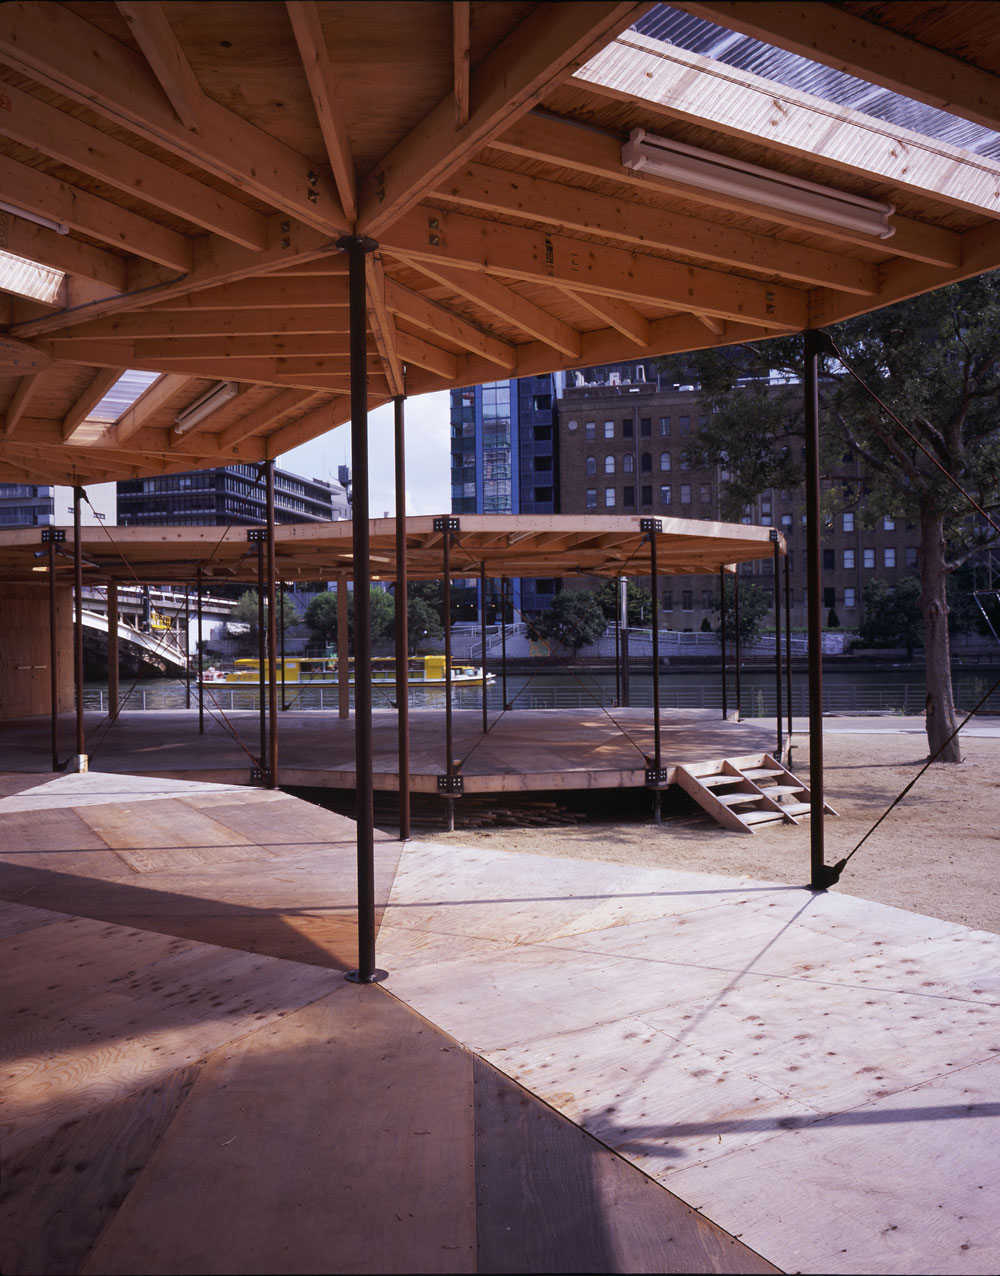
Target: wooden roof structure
[186,169]
[518,545]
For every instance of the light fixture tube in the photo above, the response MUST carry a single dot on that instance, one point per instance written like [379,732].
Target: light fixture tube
[644,152]
[205,406]
[59,227]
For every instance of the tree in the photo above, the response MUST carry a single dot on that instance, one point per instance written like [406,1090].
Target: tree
[422,621]
[892,615]
[246,613]
[755,603]
[321,616]
[935,362]
[639,603]
[574,618]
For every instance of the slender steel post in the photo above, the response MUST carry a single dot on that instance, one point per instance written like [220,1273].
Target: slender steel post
[618,656]
[448,724]
[482,635]
[788,651]
[818,878]
[281,642]
[722,642]
[261,660]
[738,644]
[81,748]
[777,642]
[343,651]
[503,643]
[402,624]
[357,247]
[654,586]
[623,629]
[272,636]
[53,658]
[113,689]
[201,685]
[187,648]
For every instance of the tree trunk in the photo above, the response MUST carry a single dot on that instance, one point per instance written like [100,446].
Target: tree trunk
[941,718]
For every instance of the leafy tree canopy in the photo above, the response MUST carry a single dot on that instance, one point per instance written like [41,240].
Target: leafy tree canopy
[892,614]
[639,603]
[755,603]
[574,618]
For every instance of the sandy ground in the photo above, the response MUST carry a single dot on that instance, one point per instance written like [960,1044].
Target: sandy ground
[937,853]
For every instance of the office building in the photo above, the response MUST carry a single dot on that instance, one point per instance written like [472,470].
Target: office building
[234,494]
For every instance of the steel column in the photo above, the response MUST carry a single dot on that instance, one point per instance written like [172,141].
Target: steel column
[722,642]
[262,750]
[272,636]
[187,645]
[818,879]
[357,247]
[281,642]
[53,649]
[201,685]
[448,723]
[113,688]
[503,643]
[482,636]
[738,645]
[343,651]
[402,624]
[777,641]
[623,630]
[618,656]
[788,651]
[81,748]
[654,526]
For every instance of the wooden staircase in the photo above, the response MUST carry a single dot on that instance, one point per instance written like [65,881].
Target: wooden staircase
[744,794]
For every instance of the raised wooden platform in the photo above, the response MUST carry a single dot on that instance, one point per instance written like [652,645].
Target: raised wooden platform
[530,749]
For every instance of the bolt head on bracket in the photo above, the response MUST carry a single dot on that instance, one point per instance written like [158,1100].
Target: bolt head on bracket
[450,784]
[256,534]
[258,775]
[650,525]
[447,525]
[53,535]
[656,775]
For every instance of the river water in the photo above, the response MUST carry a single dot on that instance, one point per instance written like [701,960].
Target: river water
[850,690]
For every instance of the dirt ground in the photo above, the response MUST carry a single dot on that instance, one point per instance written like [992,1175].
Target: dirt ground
[937,853]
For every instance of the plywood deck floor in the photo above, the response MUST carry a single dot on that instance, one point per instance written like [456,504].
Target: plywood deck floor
[531,749]
[573,1066]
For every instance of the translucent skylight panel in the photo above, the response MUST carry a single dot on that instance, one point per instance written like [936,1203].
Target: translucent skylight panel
[129,386]
[29,279]
[744,53]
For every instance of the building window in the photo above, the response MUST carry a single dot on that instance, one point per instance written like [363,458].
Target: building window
[591,464]
[664,427]
[609,429]
[685,493]
[609,497]
[590,429]
[628,497]
[889,557]
[889,524]
[647,494]
[628,463]
[645,426]
[665,462]
[912,556]
[706,493]
[848,558]
[706,599]
[571,425]
[647,463]
[786,524]
[684,422]
[829,597]
[591,501]
[848,521]
[867,558]
[667,600]
[828,560]
[609,464]
[665,494]
[687,600]
[850,598]
[627,428]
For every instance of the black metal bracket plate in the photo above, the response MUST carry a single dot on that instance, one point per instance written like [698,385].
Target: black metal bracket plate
[53,535]
[258,775]
[650,525]
[255,534]
[450,784]
[447,524]
[656,775]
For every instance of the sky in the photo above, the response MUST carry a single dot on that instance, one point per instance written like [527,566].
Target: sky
[428,458]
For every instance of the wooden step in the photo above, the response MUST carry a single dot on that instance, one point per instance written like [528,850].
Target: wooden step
[797,808]
[779,790]
[737,799]
[716,781]
[761,773]
[761,817]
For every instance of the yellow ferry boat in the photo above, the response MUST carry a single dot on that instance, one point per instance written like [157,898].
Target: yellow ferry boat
[422,671]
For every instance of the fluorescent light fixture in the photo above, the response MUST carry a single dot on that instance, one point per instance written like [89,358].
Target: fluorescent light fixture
[59,227]
[206,405]
[646,153]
